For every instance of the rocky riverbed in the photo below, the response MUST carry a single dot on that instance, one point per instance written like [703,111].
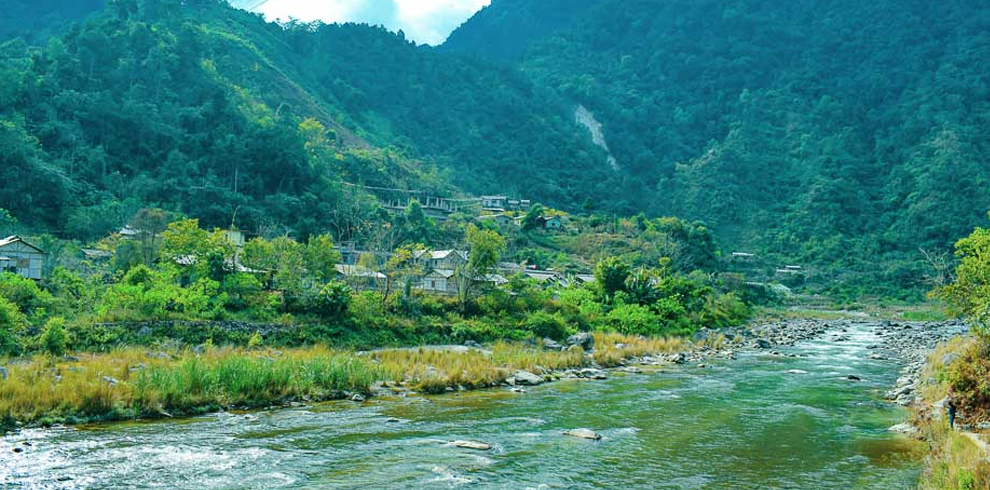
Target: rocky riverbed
[907,342]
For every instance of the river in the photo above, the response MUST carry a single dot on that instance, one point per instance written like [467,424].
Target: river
[758,422]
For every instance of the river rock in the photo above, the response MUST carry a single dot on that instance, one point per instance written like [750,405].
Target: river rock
[583,434]
[904,428]
[525,378]
[474,445]
[357,397]
[110,380]
[551,344]
[796,371]
[853,377]
[631,370]
[584,340]
[3,373]
[763,343]
[592,373]
[678,358]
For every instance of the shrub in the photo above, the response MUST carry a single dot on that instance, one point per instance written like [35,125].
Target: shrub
[333,300]
[633,320]
[24,293]
[546,325]
[255,341]
[12,325]
[54,337]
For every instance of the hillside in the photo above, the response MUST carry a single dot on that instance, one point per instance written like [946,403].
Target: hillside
[37,20]
[843,135]
[200,108]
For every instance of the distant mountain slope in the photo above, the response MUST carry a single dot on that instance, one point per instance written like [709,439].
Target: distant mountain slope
[505,29]
[201,108]
[844,134]
[36,20]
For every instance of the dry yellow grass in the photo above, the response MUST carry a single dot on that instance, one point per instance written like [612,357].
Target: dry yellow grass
[612,349]
[433,371]
[132,382]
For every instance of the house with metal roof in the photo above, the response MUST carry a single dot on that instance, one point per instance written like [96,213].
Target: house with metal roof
[21,258]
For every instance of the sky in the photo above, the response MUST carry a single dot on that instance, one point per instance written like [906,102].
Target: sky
[423,21]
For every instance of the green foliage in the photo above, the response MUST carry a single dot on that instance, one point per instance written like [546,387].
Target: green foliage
[547,325]
[54,337]
[333,300]
[969,294]
[768,135]
[12,326]
[25,293]
[610,275]
[632,320]
[533,217]
[255,341]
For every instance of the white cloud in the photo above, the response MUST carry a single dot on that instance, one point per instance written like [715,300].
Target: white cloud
[424,21]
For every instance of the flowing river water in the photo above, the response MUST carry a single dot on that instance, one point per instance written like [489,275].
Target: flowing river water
[758,422]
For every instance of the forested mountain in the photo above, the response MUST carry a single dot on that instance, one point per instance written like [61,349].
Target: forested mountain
[200,108]
[840,135]
[36,20]
[843,134]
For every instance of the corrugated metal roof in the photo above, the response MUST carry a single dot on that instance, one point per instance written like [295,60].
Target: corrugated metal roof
[16,239]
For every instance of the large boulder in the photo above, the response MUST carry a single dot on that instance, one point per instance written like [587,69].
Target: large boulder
[474,445]
[584,340]
[525,378]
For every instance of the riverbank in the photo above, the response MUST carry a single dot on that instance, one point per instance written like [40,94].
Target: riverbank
[959,457]
[754,415]
[136,383]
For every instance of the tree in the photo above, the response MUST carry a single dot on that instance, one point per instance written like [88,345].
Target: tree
[485,249]
[611,274]
[401,268]
[150,224]
[969,295]
[321,258]
[534,217]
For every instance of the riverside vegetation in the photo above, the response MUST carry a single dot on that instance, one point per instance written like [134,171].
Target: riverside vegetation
[135,336]
[960,369]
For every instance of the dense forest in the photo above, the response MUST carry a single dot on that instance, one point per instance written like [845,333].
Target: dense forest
[209,111]
[843,137]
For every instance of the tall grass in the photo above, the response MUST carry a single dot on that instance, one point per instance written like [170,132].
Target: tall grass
[129,383]
[613,349]
[433,371]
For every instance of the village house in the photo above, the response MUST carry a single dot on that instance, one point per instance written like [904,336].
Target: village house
[439,281]
[500,219]
[494,203]
[441,259]
[544,222]
[21,258]
[361,278]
